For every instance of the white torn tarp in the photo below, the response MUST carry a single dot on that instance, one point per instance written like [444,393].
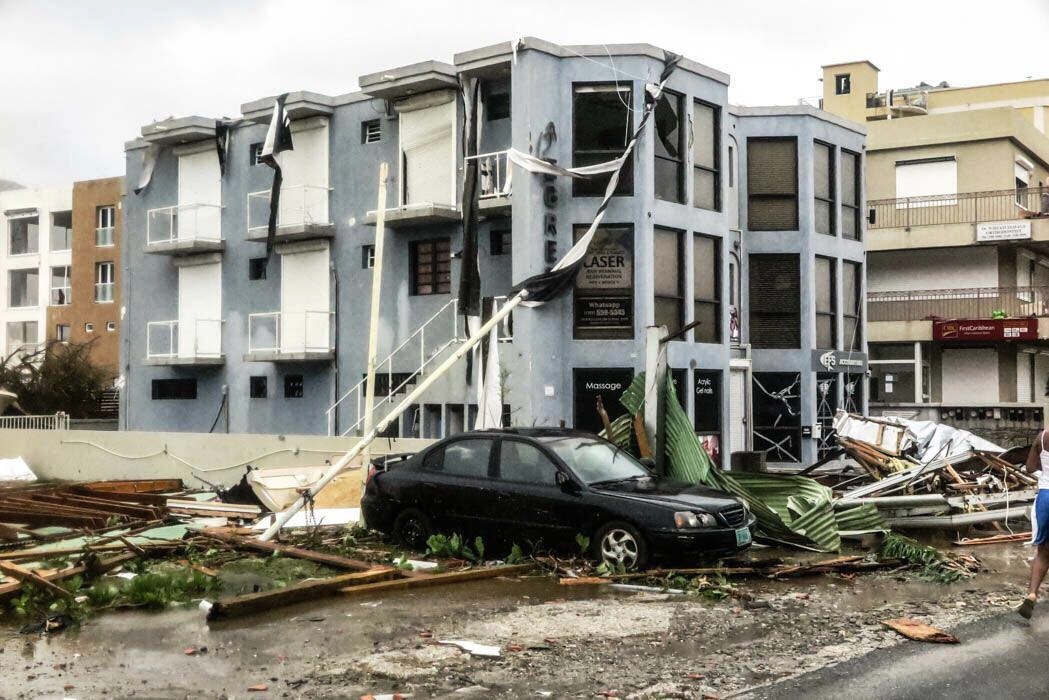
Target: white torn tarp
[925,441]
[15,469]
[473,647]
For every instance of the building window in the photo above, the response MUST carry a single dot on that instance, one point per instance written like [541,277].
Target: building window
[111,326]
[826,304]
[431,266]
[775,301]
[851,187]
[61,230]
[852,311]
[496,100]
[842,84]
[254,151]
[824,188]
[776,410]
[772,184]
[257,268]
[62,333]
[258,387]
[669,284]
[22,336]
[104,282]
[602,125]
[293,386]
[61,291]
[371,131]
[89,328]
[106,218]
[23,235]
[367,257]
[706,156]
[174,389]
[669,148]
[706,288]
[499,242]
[603,297]
[23,288]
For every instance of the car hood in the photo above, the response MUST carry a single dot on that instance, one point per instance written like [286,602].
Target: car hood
[671,493]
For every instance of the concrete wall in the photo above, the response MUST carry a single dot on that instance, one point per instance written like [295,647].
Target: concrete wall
[941,268]
[217,459]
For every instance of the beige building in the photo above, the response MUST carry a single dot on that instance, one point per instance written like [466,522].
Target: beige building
[957,247]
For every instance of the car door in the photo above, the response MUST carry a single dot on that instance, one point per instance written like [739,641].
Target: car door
[532,505]
[461,485]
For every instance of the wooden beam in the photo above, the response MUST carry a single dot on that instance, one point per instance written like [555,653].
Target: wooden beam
[28,576]
[251,603]
[10,514]
[8,589]
[427,580]
[135,485]
[333,560]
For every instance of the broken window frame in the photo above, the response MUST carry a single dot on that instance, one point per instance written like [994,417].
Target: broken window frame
[438,278]
[661,154]
[595,186]
[777,421]
[62,293]
[23,235]
[714,171]
[830,201]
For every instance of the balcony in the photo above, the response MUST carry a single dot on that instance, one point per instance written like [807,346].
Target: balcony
[179,230]
[198,342]
[969,303]
[494,180]
[951,220]
[301,214]
[902,103]
[303,336]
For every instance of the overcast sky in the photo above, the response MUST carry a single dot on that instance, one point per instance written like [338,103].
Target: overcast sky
[78,78]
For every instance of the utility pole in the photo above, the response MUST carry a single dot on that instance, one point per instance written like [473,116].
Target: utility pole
[655,384]
[373,324]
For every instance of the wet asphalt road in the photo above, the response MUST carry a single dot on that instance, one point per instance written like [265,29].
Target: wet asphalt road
[999,657]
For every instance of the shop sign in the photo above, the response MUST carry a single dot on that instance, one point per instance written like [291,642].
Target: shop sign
[843,361]
[604,288]
[989,329]
[609,384]
[1003,231]
[707,402]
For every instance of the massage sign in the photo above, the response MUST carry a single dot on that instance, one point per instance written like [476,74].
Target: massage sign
[604,288]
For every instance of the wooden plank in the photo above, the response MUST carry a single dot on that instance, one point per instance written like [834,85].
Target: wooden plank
[427,580]
[27,576]
[41,518]
[99,506]
[333,560]
[147,499]
[8,589]
[251,603]
[136,485]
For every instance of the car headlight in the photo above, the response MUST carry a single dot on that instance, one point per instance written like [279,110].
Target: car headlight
[688,519]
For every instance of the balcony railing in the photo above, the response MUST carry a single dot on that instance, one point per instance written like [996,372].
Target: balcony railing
[300,205]
[972,302]
[290,333]
[180,223]
[906,101]
[493,174]
[967,208]
[175,340]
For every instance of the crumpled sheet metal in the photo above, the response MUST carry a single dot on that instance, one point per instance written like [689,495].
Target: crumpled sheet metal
[925,440]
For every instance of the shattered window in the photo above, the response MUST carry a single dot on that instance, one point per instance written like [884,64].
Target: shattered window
[826,407]
[823,187]
[602,125]
[525,464]
[706,156]
[826,304]
[772,184]
[775,301]
[777,415]
[668,150]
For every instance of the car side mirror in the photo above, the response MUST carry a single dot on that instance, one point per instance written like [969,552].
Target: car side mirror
[565,481]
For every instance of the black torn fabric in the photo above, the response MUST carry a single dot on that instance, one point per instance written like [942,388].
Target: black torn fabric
[278,139]
[666,122]
[223,135]
[469,273]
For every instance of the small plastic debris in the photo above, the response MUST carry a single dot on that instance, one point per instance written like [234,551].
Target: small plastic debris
[420,565]
[258,688]
[472,647]
[645,589]
[126,575]
[205,605]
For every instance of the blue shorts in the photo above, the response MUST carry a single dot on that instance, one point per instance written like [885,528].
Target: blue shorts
[1041,517]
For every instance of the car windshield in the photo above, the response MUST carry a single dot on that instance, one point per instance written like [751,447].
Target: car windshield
[595,461]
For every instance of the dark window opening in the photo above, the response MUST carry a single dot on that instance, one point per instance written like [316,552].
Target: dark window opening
[706,288]
[852,311]
[772,184]
[499,242]
[367,257]
[775,301]
[602,125]
[258,387]
[776,408]
[253,154]
[669,282]
[851,187]
[431,266]
[706,156]
[826,304]
[669,148]
[497,103]
[842,84]
[293,386]
[174,389]
[257,268]
[371,131]
[824,188]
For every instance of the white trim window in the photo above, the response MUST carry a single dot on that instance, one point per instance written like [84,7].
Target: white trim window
[106,223]
[931,182]
[22,336]
[23,234]
[105,282]
[23,287]
[61,286]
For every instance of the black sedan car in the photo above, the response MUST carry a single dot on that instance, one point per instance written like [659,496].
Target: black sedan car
[545,485]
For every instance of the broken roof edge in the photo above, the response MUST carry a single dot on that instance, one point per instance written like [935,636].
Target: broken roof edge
[798,111]
[175,130]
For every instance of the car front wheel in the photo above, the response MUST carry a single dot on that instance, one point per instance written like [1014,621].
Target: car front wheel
[412,529]
[620,544]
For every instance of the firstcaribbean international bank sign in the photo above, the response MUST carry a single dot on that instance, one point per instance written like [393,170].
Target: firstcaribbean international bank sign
[989,329]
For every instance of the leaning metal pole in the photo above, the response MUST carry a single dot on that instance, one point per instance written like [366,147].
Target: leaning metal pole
[413,397]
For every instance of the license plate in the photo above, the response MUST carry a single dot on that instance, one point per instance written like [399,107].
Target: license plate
[742,536]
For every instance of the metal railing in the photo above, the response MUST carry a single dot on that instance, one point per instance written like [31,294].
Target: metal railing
[299,205]
[971,302]
[203,339]
[298,332]
[182,222]
[966,208]
[913,100]
[493,174]
[415,348]
[59,421]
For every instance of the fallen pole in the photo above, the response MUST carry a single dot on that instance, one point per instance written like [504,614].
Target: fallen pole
[411,398]
[427,580]
[333,560]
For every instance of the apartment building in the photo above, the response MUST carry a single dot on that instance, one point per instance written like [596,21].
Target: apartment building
[958,263]
[58,258]
[745,220]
